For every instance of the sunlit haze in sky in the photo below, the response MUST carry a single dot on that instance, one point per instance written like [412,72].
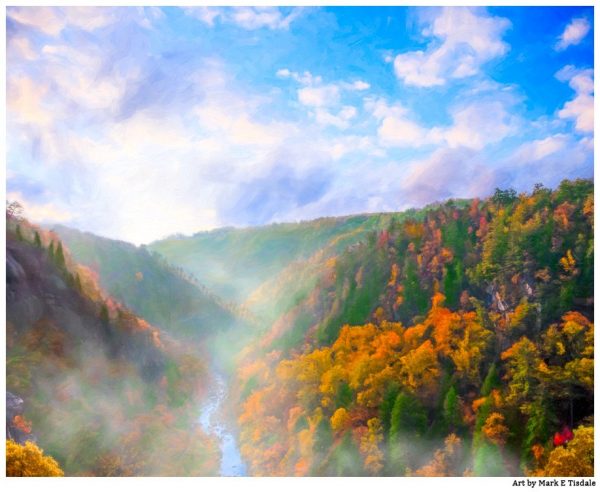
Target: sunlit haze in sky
[137,123]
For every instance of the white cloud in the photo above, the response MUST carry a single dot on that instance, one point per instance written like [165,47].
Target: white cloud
[358,85]
[340,120]
[249,18]
[305,78]
[573,33]
[447,173]
[352,144]
[283,73]
[540,149]
[208,15]
[52,20]
[477,125]
[464,40]
[550,160]
[581,108]
[40,213]
[473,126]
[318,96]
[20,48]
[25,102]
[258,17]
[45,19]
[401,132]
[380,109]
[325,95]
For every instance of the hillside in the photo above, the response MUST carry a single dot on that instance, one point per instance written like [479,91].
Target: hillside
[100,389]
[447,341]
[466,332]
[145,282]
[234,262]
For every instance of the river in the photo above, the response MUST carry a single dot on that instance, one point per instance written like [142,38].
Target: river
[210,419]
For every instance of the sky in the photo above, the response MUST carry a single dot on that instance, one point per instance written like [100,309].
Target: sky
[138,123]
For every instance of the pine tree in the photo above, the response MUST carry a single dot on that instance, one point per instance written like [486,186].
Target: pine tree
[104,317]
[78,282]
[59,256]
[37,240]
[451,410]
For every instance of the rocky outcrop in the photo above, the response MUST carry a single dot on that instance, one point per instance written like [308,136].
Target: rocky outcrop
[14,415]
[36,291]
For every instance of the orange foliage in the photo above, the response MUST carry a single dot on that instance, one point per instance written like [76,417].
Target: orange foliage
[494,428]
[22,424]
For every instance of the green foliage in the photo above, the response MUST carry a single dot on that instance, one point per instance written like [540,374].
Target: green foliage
[537,430]
[453,282]
[488,461]
[416,298]
[451,412]
[344,396]
[59,256]
[323,437]
[104,316]
[504,197]
[145,282]
[491,381]
[408,417]
[346,460]
[386,407]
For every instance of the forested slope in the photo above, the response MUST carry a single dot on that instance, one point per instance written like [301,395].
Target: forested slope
[100,389]
[143,280]
[457,343]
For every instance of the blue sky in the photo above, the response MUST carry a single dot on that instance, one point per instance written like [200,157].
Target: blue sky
[137,123]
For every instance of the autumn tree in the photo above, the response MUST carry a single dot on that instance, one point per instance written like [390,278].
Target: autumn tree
[29,461]
[446,462]
[14,211]
[576,459]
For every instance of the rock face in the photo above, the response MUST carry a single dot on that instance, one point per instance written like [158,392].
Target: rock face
[36,291]
[14,408]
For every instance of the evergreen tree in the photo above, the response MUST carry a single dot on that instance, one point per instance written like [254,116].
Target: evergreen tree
[491,381]
[453,279]
[78,282]
[386,407]
[346,458]
[408,421]
[37,241]
[451,412]
[59,257]
[104,317]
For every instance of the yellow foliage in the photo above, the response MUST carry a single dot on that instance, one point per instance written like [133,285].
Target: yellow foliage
[494,428]
[574,460]
[568,262]
[340,419]
[445,461]
[394,275]
[29,461]
[369,446]
[420,367]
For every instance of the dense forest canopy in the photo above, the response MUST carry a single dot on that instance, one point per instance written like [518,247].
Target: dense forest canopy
[459,343]
[453,340]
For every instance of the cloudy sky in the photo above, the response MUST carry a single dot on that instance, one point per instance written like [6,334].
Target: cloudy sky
[136,123]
